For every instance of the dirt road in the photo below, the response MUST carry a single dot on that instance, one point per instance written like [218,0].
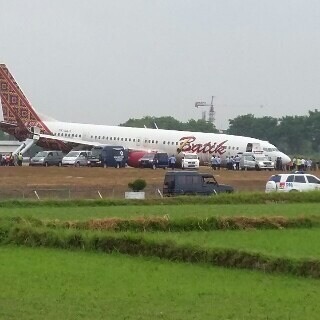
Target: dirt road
[55,177]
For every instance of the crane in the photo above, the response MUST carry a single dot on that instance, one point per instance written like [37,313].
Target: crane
[211,110]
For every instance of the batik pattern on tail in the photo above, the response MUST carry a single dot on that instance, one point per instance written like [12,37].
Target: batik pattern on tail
[15,106]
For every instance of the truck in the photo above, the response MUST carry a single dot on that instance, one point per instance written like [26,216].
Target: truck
[192,183]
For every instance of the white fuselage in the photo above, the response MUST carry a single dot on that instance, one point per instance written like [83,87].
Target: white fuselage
[169,141]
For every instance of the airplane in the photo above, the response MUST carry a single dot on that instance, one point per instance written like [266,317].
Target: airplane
[22,121]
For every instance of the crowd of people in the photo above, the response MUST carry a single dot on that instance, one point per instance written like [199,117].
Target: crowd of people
[233,163]
[302,164]
[10,159]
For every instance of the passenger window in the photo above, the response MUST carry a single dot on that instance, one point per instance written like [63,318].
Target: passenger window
[79,135]
[275,178]
[129,139]
[125,139]
[134,140]
[164,142]
[299,179]
[290,178]
[312,179]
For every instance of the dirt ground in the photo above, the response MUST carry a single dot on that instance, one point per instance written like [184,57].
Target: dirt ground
[110,181]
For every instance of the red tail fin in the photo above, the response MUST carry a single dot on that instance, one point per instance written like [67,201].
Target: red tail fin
[15,106]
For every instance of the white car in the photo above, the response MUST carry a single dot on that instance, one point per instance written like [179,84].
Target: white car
[295,181]
[190,161]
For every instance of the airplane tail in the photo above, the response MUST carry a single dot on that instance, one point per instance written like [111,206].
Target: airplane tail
[17,110]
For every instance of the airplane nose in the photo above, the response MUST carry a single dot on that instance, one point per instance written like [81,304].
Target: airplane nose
[285,159]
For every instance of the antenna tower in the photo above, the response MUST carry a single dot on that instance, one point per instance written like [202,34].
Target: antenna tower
[212,113]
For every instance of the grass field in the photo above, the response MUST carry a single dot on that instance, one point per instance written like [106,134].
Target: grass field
[296,243]
[174,211]
[38,283]
[55,284]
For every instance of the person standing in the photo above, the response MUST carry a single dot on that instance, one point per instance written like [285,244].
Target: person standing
[172,162]
[237,162]
[218,159]
[20,159]
[213,162]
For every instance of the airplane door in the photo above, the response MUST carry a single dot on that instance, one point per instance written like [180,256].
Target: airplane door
[253,147]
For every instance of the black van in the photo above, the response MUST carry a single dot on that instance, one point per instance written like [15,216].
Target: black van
[192,182]
[154,160]
[108,156]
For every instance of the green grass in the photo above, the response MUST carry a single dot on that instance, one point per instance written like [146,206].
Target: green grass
[293,243]
[179,211]
[56,284]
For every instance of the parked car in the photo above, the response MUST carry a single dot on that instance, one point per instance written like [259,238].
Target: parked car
[154,160]
[47,158]
[76,158]
[190,161]
[251,161]
[192,183]
[292,182]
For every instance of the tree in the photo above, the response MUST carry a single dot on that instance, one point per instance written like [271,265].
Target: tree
[4,136]
[313,128]
[261,128]
[170,123]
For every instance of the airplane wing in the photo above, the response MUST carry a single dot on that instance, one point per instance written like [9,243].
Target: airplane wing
[7,125]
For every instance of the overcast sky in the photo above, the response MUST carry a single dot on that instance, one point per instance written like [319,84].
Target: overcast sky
[104,61]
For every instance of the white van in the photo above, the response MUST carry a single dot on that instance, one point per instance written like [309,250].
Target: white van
[190,161]
[76,158]
[255,161]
